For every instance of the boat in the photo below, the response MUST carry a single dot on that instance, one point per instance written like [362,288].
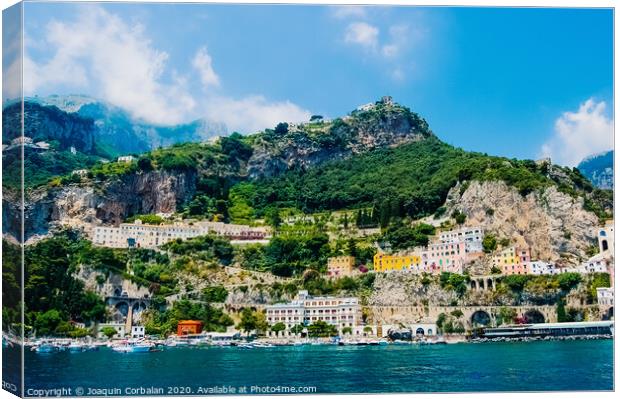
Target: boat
[245,346]
[45,348]
[383,342]
[133,348]
[75,347]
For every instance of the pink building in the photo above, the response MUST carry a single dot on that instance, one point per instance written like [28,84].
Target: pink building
[444,257]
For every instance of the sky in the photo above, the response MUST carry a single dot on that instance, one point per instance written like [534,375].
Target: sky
[516,82]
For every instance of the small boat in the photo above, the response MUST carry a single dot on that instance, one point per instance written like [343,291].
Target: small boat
[75,347]
[133,348]
[245,346]
[45,348]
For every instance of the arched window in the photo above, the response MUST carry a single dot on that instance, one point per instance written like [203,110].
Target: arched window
[603,233]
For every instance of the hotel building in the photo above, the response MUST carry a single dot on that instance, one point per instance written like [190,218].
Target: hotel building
[140,235]
[306,309]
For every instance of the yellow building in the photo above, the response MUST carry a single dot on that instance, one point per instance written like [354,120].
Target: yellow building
[340,266]
[387,263]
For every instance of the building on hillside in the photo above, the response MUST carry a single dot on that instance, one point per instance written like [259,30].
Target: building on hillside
[187,327]
[512,260]
[366,107]
[538,267]
[140,235]
[388,263]
[126,158]
[119,327]
[339,266]
[471,236]
[340,312]
[387,100]
[606,238]
[444,257]
[80,172]
[596,264]
[605,296]
[21,140]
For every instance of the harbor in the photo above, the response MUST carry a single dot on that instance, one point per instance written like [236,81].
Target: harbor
[495,366]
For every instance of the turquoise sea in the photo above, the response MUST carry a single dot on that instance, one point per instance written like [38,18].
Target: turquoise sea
[531,366]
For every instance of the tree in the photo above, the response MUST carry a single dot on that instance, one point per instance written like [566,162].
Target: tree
[47,323]
[352,247]
[561,311]
[321,329]
[489,243]
[145,164]
[272,216]
[108,331]
[506,315]
[281,129]
[298,329]
[278,327]
[252,320]
[367,330]
[316,118]
[347,330]
[516,282]
[568,281]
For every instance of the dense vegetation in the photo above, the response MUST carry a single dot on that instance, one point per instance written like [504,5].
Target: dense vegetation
[410,180]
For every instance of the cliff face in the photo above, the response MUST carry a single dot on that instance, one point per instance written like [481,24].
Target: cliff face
[80,205]
[49,123]
[599,169]
[386,125]
[553,224]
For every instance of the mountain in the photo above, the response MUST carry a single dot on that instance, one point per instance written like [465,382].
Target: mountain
[383,157]
[119,133]
[599,169]
[61,142]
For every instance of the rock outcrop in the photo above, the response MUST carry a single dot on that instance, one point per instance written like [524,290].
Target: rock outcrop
[82,206]
[386,125]
[553,224]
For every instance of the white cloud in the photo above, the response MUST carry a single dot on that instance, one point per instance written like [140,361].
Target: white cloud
[580,134]
[203,64]
[398,41]
[362,34]
[117,62]
[342,12]
[99,51]
[253,113]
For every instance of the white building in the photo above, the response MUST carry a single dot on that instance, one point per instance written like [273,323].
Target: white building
[539,267]
[137,332]
[596,264]
[126,158]
[21,140]
[366,107]
[80,172]
[605,296]
[306,310]
[606,238]
[471,236]
[141,235]
[119,327]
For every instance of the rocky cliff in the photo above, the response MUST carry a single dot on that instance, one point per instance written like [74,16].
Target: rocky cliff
[48,123]
[553,224]
[599,169]
[305,146]
[82,205]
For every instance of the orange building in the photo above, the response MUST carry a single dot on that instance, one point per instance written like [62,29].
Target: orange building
[186,327]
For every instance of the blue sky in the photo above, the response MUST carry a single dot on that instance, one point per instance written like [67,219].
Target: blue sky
[515,82]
